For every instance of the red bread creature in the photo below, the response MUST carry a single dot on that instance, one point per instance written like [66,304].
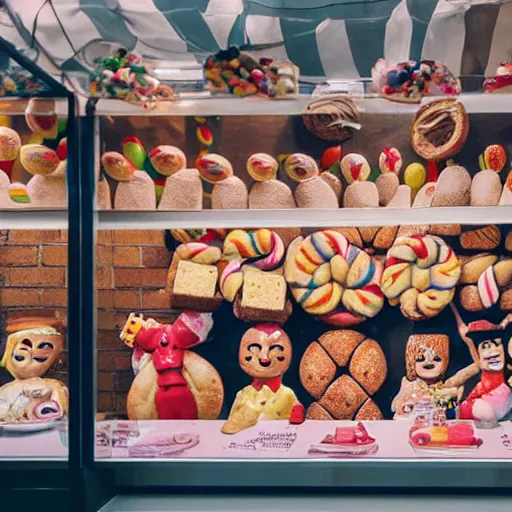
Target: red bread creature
[171,382]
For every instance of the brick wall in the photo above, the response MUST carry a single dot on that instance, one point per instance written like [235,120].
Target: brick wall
[33,275]
[130,276]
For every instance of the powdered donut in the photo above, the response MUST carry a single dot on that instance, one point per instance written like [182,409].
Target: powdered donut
[402,197]
[271,195]
[386,186]
[333,279]
[453,187]
[262,167]
[167,160]
[355,167]
[214,168]
[38,159]
[300,167]
[10,144]
[136,194]
[230,194]
[182,191]
[361,194]
[117,166]
[485,189]
[420,274]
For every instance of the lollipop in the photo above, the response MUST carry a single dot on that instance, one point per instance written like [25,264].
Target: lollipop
[262,167]
[355,167]
[167,160]
[214,168]
[494,158]
[38,159]
[117,166]
[300,167]
[390,160]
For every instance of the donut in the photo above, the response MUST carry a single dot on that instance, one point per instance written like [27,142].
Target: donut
[420,274]
[390,160]
[333,279]
[214,168]
[117,166]
[300,167]
[38,159]
[167,160]
[262,249]
[355,167]
[262,167]
[10,144]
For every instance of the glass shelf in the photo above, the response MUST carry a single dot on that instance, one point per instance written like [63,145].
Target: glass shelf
[33,219]
[10,106]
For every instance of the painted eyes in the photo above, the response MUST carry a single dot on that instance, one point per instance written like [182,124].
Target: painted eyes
[437,359]
[420,359]
[45,345]
[19,358]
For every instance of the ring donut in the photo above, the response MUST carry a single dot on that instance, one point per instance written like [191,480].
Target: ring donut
[420,274]
[334,279]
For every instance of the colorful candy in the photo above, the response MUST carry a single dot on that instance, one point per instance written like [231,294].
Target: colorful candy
[62,149]
[494,158]
[330,157]
[300,167]
[355,167]
[390,160]
[214,168]
[415,176]
[167,160]
[19,193]
[38,159]
[199,252]
[262,167]
[117,166]
[134,151]
[204,135]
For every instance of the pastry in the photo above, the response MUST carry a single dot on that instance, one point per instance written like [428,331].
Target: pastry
[390,160]
[387,185]
[193,275]
[355,167]
[485,189]
[10,145]
[230,194]
[453,187]
[402,197]
[502,81]
[485,238]
[300,167]
[333,182]
[508,242]
[332,118]
[425,196]
[265,355]
[136,194]
[440,129]
[214,168]
[506,195]
[262,167]
[493,158]
[342,397]
[117,166]
[182,191]
[332,279]
[473,267]
[361,194]
[167,160]
[420,274]
[41,118]
[415,176]
[18,193]
[248,280]
[38,159]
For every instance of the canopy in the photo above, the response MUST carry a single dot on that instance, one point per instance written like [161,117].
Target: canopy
[332,38]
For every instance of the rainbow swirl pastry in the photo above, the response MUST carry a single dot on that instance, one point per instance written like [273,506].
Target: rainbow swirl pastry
[199,252]
[214,168]
[245,250]
[420,274]
[334,279]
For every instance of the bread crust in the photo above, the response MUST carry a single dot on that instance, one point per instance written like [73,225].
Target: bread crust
[316,370]
[483,239]
[248,314]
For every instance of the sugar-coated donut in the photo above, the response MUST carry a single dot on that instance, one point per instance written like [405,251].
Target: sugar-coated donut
[38,159]
[117,166]
[301,167]
[262,167]
[10,144]
[167,160]
[355,167]
[214,168]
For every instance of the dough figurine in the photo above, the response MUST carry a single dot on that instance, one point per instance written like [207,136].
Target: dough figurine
[491,399]
[268,193]
[265,354]
[171,382]
[29,354]
[426,358]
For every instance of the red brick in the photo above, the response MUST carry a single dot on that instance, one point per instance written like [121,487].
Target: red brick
[104,237]
[105,381]
[108,339]
[105,298]
[34,236]
[156,257]
[113,360]
[145,278]
[106,320]
[104,278]
[64,235]
[54,255]
[18,256]
[127,299]
[16,297]
[155,299]
[105,402]
[138,237]
[104,255]
[37,277]
[54,297]
[126,256]
[4,276]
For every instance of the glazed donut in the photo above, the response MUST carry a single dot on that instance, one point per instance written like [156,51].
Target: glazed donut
[262,167]
[301,167]
[214,168]
[420,274]
[334,279]
[262,249]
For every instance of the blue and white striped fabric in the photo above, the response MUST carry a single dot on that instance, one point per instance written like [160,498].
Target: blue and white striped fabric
[332,38]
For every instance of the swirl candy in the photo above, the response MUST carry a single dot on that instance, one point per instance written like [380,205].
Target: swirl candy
[420,273]
[334,279]
[262,249]
[10,144]
[262,167]
[199,252]
[300,167]
[390,160]
[38,159]
[117,166]
[355,167]
[214,168]
[167,160]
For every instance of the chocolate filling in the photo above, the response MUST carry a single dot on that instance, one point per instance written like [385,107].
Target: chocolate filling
[439,133]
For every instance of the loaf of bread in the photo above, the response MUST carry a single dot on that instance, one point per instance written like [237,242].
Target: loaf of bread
[482,239]
[445,229]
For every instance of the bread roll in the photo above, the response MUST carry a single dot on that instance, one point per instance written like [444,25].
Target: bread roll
[369,412]
[271,195]
[368,366]
[470,299]
[341,344]
[473,267]
[334,182]
[230,194]
[316,370]
[402,197]
[361,194]
[47,191]
[453,187]
[387,185]
[506,300]
[317,412]
[315,193]
[445,229]
[182,191]
[483,239]
[343,398]
[485,188]
[136,194]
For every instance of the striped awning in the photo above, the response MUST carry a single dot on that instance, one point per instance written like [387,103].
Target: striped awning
[332,38]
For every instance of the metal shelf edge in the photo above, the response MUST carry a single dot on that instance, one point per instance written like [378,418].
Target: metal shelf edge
[33,219]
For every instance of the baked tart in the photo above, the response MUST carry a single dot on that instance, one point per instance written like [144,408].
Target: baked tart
[440,129]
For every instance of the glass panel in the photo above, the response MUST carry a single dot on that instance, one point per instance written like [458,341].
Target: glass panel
[327,343]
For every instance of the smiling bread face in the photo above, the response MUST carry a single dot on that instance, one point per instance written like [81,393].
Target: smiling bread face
[31,352]
[492,355]
[265,352]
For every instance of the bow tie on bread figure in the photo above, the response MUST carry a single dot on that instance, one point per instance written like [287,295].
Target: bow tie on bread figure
[265,355]
[171,382]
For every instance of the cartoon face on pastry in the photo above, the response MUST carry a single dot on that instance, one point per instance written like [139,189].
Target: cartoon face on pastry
[265,352]
[262,167]
[301,167]
[420,274]
[31,353]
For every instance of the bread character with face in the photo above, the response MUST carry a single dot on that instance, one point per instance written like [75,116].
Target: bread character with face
[265,354]
[29,354]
